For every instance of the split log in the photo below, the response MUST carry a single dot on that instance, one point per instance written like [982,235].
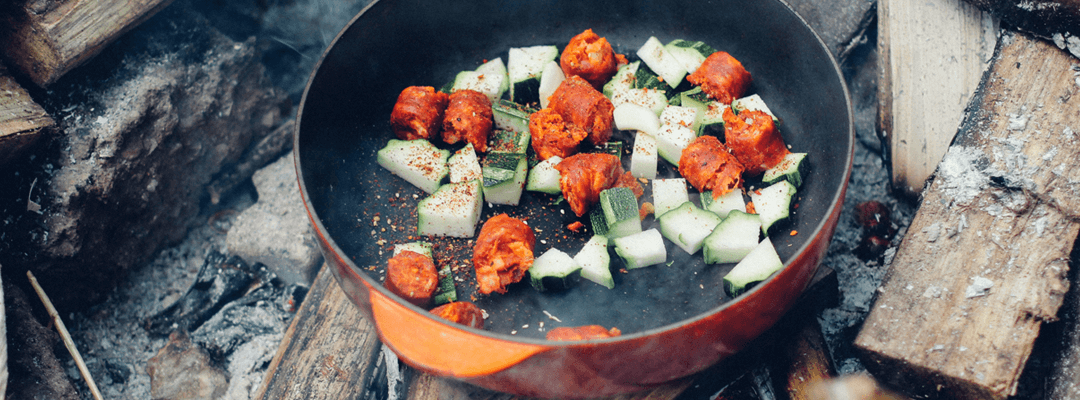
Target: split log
[46,39]
[22,121]
[932,55]
[984,262]
[1058,20]
[328,352]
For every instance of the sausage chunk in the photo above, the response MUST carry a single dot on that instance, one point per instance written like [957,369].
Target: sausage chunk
[590,57]
[418,113]
[582,105]
[552,136]
[722,77]
[583,176]
[468,117]
[707,165]
[754,140]
[412,276]
[587,332]
[461,312]
[503,252]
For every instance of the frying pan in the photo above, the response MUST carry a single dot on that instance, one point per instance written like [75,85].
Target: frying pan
[675,317]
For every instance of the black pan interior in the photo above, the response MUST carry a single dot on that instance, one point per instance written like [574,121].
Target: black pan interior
[393,44]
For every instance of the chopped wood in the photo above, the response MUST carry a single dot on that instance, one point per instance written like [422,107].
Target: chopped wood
[984,262]
[932,54]
[22,121]
[45,39]
[65,336]
[329,350]
[807,361]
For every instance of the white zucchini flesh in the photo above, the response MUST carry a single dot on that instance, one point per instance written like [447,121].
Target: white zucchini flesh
[631,116]
[652,99]
[595,262]
[524,66]
[416,161]
[732,239]
[758,265]
[791,168]
[623,80]
[671,140]
[415,247]
[669,194]
[724,204]
[544,177]
[464,165]
[687,226]
[507,191]
[452,211]
[641,249]
[549,81]
[660,61]
[690,54]
[773,203]
[644,157]
[553,270]
[752,103]
[679,115]
[497,69]
[488,84]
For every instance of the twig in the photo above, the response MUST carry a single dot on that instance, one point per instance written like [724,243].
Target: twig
[65,336]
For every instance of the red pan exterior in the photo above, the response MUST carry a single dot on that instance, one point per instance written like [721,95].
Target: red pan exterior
[533,367]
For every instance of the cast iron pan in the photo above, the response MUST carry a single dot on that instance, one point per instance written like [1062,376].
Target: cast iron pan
[345,111]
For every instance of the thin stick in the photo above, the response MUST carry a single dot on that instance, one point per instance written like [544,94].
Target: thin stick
[65,336]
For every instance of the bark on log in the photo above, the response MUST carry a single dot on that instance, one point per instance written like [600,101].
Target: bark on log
[45,39]
[932,55]
[22,121]
[984,261]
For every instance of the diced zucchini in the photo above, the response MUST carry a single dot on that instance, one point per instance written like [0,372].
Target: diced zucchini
[644,157]
[645,78]
[689,54]
[498,68]
[623,79]
[599,223]
[669,194]
[752,103]
[651,99]
[663,63]
[415,247]
[724,204]
[712,121]
[488,84]
[544,177]
[733,239]
[641,249]
[671,140]
[631,116]
[510,116]
[525,66]
[446,291]
[453,210]
[758,265]
[504,177]
[687,226]
[773,203]
[680,115]
[509,141]
[791,169]
[554,271]
[595,262]
[416,161]
[549,81]
[464,165]
[620,212]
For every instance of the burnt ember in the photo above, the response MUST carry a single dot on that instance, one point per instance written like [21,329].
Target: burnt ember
[221,280]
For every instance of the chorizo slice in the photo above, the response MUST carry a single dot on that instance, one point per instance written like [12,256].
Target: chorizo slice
[502,253]
[722,77]
[582,105]
[591,57]
[552,136]
[754,140]
[587,332]
[461,312]
[584,175]
[468,117]
[418,113]
[707,165]
[412,276]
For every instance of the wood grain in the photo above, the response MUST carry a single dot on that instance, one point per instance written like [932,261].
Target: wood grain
[328,352]
[932,56]
[45,39]
[984,261]
[22,121]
